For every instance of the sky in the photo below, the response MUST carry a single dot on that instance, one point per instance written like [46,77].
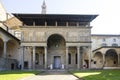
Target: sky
[108,21]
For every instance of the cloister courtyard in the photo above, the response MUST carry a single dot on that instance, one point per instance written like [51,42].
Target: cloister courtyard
[53,75]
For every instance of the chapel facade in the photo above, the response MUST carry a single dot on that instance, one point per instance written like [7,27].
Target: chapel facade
[55,41]
[52,41]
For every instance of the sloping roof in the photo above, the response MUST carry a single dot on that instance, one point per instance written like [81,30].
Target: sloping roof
[30,18]
[1,29]
[13,23]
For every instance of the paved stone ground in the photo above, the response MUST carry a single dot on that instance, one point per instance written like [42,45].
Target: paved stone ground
[52,75]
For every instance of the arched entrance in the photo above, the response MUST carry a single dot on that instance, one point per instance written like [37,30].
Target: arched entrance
[56,51]
[111,58]
[98,60]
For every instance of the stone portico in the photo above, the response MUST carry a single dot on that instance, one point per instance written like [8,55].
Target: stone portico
[55,41]
[57,56]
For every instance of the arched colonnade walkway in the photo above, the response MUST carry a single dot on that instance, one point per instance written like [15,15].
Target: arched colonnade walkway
[104,58]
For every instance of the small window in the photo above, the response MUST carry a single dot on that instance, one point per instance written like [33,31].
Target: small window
[43,58]
[114,44]
[26,64]
[114,62]
[104,44]
[104,39]
[94,62]
[114,40]
[76,58]
[69,58]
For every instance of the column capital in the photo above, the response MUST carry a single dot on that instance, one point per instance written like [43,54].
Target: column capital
[89,47]
[45,46]
[33,47]
[5,41]
[103,55]
[22,46]
[67,46]
[78,47]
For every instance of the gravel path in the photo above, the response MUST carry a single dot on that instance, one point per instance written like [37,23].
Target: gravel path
[52,75]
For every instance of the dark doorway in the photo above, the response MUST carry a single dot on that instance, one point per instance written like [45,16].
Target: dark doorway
[26,65]
[57,62]
[12,66]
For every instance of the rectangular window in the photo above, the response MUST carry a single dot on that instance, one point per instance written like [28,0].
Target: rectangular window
[43,58]
[69,58]
[114,44]
[114,40]
[104,39]
[26,64]
[104,44]
[94,62]
[76,58]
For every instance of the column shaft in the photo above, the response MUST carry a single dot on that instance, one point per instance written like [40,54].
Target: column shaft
[103,60]
[5,49]
[22,58]
[78,58]
[33,57]
[67,57]
[45,57]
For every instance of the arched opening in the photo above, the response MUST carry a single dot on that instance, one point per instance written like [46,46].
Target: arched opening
[56,51]
[98,60]
[1,47]
[12,49]
[111,58]
[12,53]
[56,41]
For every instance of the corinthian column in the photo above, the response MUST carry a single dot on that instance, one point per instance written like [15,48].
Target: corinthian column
[45,48]
[78,57]
[66,57]
[34,57]
[22,57]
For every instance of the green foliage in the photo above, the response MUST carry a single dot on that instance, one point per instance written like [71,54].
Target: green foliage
[15,75]
[97,74]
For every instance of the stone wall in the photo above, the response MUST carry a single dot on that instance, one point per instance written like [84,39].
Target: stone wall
[8,64]
[69,34]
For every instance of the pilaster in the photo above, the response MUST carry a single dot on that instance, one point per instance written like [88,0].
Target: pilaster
[89,53]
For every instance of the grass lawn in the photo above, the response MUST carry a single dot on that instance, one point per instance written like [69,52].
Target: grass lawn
[97,74]
[15,75]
